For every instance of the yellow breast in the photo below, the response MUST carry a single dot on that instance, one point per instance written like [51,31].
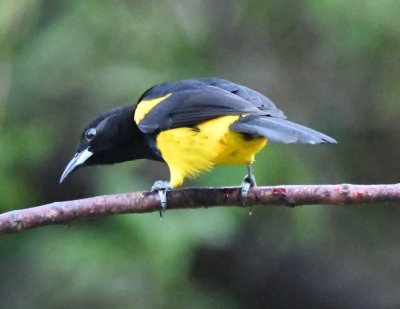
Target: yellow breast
[189,151]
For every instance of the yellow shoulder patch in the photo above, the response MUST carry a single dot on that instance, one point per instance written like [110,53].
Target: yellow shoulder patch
[145,106]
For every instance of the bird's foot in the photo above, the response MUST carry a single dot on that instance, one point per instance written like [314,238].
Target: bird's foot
[248,182]
[162,187]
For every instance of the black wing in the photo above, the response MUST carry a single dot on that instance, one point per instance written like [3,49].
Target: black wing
[192,105]
[189,102]
[254,97]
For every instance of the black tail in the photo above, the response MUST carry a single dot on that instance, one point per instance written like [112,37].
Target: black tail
[280,130]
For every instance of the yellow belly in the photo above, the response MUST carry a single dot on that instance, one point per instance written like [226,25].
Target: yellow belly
[189,151]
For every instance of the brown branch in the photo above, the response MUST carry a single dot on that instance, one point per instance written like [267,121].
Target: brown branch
[140,202]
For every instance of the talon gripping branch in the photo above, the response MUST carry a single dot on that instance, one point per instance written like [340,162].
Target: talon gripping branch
[191,125]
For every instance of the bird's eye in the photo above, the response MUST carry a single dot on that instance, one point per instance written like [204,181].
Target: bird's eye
[90,134]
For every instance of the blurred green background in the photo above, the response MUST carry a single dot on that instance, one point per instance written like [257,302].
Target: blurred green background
[331,65]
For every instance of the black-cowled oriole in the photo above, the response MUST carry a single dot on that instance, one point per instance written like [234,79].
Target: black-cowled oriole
[191,125]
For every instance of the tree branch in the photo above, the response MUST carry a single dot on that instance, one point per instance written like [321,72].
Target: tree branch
[140,202]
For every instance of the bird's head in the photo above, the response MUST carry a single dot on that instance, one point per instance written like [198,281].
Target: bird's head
[113,137]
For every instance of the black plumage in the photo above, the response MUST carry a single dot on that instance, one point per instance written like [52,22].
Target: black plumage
[116,137]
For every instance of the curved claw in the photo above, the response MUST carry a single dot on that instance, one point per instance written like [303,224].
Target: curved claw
[248,182]
[162,193]
[244,190]
[162,187]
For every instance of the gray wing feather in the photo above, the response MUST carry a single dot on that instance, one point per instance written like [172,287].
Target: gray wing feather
[280,130]
[254,97]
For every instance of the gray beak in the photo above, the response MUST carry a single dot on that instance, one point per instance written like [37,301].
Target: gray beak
[77,160]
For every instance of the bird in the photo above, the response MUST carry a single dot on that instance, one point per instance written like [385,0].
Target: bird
[191,125]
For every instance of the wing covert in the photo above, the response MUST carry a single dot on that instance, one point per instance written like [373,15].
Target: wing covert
[254,97]
[191,106]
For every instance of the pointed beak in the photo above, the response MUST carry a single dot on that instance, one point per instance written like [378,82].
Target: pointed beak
[79,159]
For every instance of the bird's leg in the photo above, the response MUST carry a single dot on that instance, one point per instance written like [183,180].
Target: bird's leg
[162,187]
[248,181]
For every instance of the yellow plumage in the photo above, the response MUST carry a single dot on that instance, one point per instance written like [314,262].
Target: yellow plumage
[187,124]
[189,151]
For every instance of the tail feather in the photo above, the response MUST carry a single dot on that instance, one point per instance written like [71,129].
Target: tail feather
[280,130]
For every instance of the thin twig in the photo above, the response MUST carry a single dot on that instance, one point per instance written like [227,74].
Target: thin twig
[140,202]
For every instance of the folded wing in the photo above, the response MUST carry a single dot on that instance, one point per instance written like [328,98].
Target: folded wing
[280,130]
[192,106]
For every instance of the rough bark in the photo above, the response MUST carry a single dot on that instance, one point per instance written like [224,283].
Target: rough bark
[139,202]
